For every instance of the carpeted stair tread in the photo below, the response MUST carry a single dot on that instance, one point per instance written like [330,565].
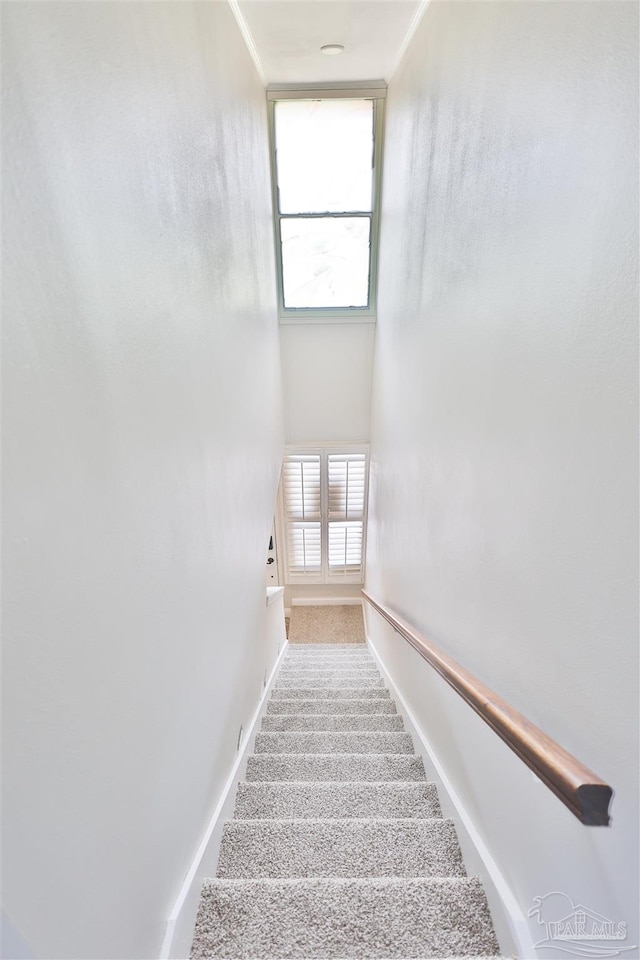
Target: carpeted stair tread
[335,766]
[323,741]
[330,652]
[310,656]
[329,693]
[338,722]
[258,849]
[329,681]
[304,648]
[334,706]
[386,800]
[330,673]
[330,663]
[338,656]
[332,917]
[316,678]
[364,669]
[320,660]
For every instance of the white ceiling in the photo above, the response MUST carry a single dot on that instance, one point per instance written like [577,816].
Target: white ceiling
[287,36]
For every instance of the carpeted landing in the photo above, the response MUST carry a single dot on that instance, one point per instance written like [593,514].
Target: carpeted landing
[338,848]
[337,625]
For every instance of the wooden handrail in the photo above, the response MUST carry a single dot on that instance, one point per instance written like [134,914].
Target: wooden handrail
[584,793]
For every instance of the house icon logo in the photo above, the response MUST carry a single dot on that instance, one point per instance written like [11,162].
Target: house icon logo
[577,930]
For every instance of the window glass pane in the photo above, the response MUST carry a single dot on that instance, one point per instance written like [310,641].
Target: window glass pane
[324,155]
[325,261]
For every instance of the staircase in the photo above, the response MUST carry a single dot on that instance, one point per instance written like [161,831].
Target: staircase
[338,847]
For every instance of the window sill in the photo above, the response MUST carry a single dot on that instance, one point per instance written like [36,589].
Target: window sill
[326,316]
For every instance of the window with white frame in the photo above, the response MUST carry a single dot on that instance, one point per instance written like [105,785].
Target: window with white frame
[324,503]
[326,157]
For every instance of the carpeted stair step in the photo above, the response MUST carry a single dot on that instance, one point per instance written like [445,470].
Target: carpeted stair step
[258,849]
[343,722]
[329,681]
[371,706]
[311,678]
[367,742]
[329,671]
[304,649]
[329,693]
[330,651]
[331,663]
[387,800]
[334,766]
[349,660]
[293,652]
[334,668]
[341,657]
[331,918]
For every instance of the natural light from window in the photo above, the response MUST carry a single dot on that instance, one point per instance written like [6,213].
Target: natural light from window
[325,193]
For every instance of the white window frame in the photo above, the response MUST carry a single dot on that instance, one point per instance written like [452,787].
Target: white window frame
[325,576]
[376,92]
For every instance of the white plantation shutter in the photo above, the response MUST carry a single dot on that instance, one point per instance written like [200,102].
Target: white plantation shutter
[345,547]
[347,475]
[324,497]
[303,513]
[304,547]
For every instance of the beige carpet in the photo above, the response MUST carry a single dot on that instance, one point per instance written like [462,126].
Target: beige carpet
[340,624]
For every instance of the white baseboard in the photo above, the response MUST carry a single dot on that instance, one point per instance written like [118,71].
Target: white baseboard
[326,601]
[172,921]
[514,916]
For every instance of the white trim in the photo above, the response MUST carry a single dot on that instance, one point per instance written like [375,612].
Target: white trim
[514,915]
[248,39]
[326,601]
[341,446]
[359,90]
[172,921]
[314,316]
[413,26]
[273,594]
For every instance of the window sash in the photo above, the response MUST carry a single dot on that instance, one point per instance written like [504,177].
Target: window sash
[347,267]
[324,154]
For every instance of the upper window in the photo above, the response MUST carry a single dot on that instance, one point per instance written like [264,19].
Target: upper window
[326,166]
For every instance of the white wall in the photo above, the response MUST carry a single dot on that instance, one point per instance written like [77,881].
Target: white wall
[326,372]
[503,508]
[143,441]
[326,378]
